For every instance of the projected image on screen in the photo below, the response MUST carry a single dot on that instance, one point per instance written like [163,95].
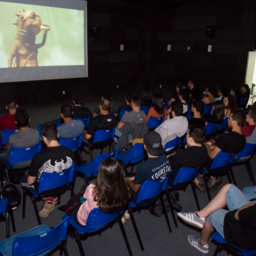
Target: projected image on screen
[40,36]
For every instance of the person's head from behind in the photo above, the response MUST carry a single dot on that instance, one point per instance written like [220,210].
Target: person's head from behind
[49,133]
[223,92]
[158,103]
[195,135]
[229,102]
[153,144]
[11,105]
[177,109]
[251,117]
[197,106]
[191,84]
[22,119]
[136,104]
[213,90]
[77,99]
[111,192]
[245,88]
[184,94]
[66,112]
[237,118]
[128,99]
[147,94]
[179,86]
[218,109]
[107,96]
[194,94]
[104,106]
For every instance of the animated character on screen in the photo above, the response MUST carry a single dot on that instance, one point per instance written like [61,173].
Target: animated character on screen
[24,49]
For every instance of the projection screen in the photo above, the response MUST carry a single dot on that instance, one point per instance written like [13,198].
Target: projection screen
[43,39]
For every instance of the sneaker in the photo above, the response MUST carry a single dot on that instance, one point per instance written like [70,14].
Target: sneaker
[123,220]
[201,187]
[192,219]
[47,208]
[126,215]
[195,242]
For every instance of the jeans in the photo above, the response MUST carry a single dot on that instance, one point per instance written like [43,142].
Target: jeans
[118,134]
[235,200]
[250,192]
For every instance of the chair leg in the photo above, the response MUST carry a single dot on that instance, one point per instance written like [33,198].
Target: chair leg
[171,208]
[132,169]
[135,228]
[165,214]
[124,235]
[72,189]
[248,167]
[109,150]
[91,154]
[12,219]
[36,210]
[232,175]
[7,219]
[217,250]
[65,249]
[207,188]
[2,175]
[229,178]
[195,195]
[24,204]
[101,150]
[81,156]
[7,174]
[59,198]
[78,240]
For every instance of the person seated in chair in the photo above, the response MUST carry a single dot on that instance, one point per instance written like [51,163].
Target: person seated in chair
[79,111]
[194,156]
[105,96]
[249,130]
[126,106]
[197,109]
[237,224]
[24,138]
[184,97]
[104,121]
[217,116]
[71,128]
[53,158]
[211,94]
[231,143]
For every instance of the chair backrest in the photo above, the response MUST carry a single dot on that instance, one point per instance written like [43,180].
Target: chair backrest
[3,205]
[210,128]
[72,143]
[39,128]
[222,159]
[185,174]
[246,153]
[52,180]
[137,153]
[207,109]
[189,114]
[57,122]
[242,101]
[171,145]
[34,245]
[122,112]
[18,155]
[6,134]
[166,105]
[224,124]
[154,122]
[145,109]
[85,120]
[103,135]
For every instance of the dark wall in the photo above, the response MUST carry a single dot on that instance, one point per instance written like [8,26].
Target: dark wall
[145,28]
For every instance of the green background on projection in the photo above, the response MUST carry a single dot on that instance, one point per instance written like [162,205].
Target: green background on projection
[65,41]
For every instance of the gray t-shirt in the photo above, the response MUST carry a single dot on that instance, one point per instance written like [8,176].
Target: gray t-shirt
[71,129]
[134,117]
[23,139]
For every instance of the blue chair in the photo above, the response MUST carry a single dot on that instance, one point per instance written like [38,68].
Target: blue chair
[132,157]
[145,109]
[185,175]
[154,122]
[122,112]
[57,122]
[171,145]
[97,220]
[189,114]
[90,170]
[5,135]
[242,102]
[222,243]
[207,109]
[85,120]
[39,128]
[40,240]
[244,157]
[223,125]
[60,181]
[5,211]
[210,128]
[102,139]
[166,105]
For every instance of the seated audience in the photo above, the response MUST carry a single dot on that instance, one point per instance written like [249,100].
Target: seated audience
[191,85]
[194,94]
[217,115]
[230,105]
[158,109]
[231,143]
[126,106]
[245,94]
[78,110]
[105,96]
[176,96]
[197,109]
[155,168]
[249,130]
[223,92]
[53,158]
[70,128]
[146,98]
[211,94]
[183,97]
[177,126]
[235,93]
[109,193]
[104,121]
[194,156]
[25,137]
[8,121]
[132,123]
[237,224]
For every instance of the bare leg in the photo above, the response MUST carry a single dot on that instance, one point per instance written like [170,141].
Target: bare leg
[196,180]
[206,233]
[218,202]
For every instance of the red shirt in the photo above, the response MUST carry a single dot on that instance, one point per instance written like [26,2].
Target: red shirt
[248,130]
[8,122]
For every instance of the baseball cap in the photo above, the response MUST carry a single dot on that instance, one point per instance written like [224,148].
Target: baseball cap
[153,142]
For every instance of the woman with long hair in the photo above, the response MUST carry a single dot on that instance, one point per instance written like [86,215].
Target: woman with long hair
[217,115]
[109,194]
[229,104]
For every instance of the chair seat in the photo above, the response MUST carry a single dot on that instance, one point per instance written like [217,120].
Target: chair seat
[132,204]
[31,190]
[86,169]
[4,203]
[125,157]
[6,245]
[72,222]
[216,236]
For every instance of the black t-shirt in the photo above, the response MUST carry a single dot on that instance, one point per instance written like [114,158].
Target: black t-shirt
[211,118]
[81,112]
[197,121]
[241,233]
[191,157]
[51,159]
[231,143]
[104,122]
[126,107]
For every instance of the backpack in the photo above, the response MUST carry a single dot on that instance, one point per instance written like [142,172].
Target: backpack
[11,192]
